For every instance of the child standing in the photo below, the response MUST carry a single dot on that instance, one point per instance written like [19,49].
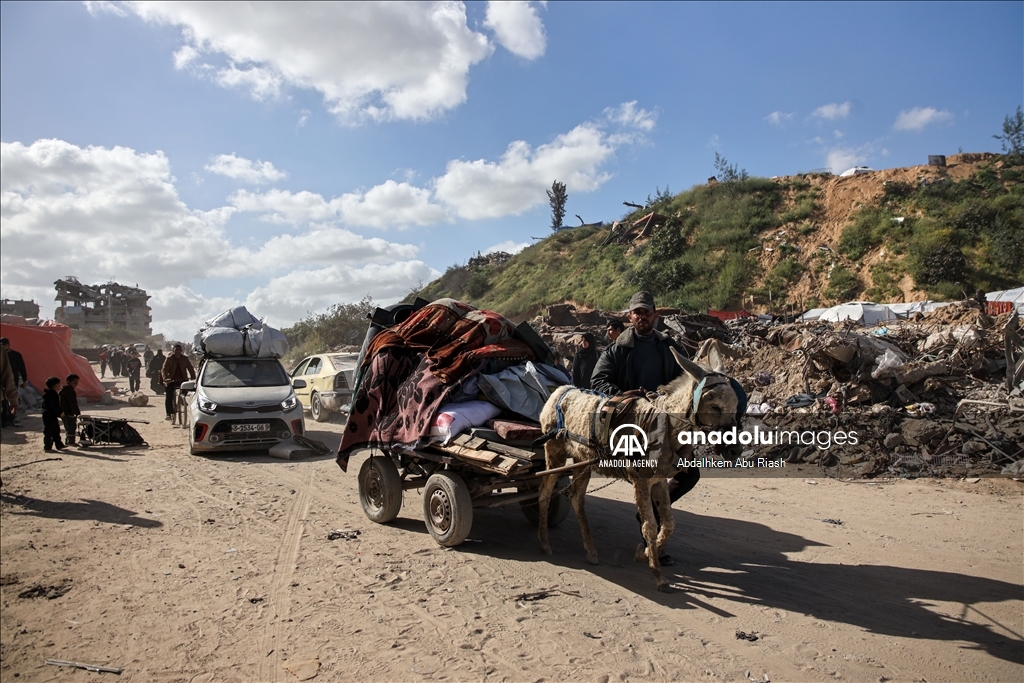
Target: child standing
[134,366]
[69,406]
[51,413]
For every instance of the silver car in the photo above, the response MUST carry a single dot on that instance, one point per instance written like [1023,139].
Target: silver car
[242,403]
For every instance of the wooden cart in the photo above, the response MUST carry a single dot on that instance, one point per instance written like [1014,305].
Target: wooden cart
[471,472]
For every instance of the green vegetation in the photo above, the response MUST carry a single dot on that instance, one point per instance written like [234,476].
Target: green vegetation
[342,324]
[885,276]
[842,284]
[557,197]
[726,172]
[953,236]
[1013,136]
[950,236]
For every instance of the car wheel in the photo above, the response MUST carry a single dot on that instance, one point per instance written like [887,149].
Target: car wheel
[447,508]
[380,489]
[316,409]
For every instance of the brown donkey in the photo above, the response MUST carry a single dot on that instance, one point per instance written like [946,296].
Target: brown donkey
[579,435]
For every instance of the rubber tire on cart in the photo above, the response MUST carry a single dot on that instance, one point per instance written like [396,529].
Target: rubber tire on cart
[380,489]
[316,409]
[558,510]
[447,508]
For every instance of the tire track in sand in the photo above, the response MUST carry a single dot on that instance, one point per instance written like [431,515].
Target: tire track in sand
[269,656]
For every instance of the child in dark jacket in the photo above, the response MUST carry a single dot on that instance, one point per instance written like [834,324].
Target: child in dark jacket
[69,407]
[51,416]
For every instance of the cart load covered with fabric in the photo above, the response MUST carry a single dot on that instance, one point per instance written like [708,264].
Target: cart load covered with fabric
[415,376]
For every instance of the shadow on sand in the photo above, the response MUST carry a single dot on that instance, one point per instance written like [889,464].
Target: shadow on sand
[84,510]
[746,562]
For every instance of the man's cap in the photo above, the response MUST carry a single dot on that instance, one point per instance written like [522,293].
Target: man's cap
[641,300]
[4,340]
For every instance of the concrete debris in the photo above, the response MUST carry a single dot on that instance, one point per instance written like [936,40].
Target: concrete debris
[940,393]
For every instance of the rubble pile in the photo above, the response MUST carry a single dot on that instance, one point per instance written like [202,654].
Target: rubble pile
[938,394]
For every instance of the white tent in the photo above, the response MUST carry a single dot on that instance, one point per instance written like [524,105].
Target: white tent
[812,314]
[864,312]
[908,309]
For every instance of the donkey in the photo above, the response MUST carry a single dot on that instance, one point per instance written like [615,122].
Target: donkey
[577,435]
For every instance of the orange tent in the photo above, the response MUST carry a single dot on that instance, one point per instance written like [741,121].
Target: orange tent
[47,353]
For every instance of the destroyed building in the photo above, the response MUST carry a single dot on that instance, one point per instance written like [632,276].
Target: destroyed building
[106,305]
[20,307]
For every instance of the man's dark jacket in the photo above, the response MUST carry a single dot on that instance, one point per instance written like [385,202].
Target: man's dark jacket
[17,367]
[614,371]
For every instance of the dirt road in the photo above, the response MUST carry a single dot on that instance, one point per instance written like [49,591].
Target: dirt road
[183,568]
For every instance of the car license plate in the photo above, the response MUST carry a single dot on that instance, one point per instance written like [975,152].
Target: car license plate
[261,427]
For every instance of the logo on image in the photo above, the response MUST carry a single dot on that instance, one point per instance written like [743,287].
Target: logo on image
[628,441]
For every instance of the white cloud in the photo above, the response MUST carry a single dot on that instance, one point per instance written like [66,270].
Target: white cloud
[243,169]
[833,111]
[263,84]
[917,118]
[100,214]
[777,118]
[517,183]
[97,213]
[184,56]
[97,7]
[316,289]
[379,60]
[517,27]
[329,244]
[387,205]
[628,116]
[178,311]
[508,246]
[713,141]
[840,159]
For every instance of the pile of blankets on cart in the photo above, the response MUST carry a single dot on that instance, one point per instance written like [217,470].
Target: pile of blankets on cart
[238,332]
[415,375]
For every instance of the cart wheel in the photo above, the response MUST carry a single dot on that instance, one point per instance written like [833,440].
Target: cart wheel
[447,508]
[316,409]
[558,510]
[380,489]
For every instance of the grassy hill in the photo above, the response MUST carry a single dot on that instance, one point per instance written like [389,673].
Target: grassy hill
[765,244]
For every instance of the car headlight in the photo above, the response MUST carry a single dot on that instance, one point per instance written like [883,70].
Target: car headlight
[289,403]
[205,405]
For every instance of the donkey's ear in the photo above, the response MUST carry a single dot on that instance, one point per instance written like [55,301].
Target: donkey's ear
[688,366]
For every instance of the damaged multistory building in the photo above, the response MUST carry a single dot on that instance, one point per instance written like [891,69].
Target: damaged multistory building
[20,307]
[106,305]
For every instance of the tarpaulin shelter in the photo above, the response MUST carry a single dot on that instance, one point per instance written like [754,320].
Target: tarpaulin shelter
[864,312]
[47,353]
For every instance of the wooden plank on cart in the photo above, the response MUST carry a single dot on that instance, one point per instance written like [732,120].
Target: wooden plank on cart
[486,457]
[476,443]
[471,442]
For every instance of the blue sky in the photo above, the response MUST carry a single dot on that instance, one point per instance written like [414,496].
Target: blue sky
[290,157]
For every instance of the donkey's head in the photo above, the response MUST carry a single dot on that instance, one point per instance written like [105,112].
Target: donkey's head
[706,398]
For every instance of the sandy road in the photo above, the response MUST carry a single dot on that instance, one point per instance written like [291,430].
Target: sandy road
[182,568]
